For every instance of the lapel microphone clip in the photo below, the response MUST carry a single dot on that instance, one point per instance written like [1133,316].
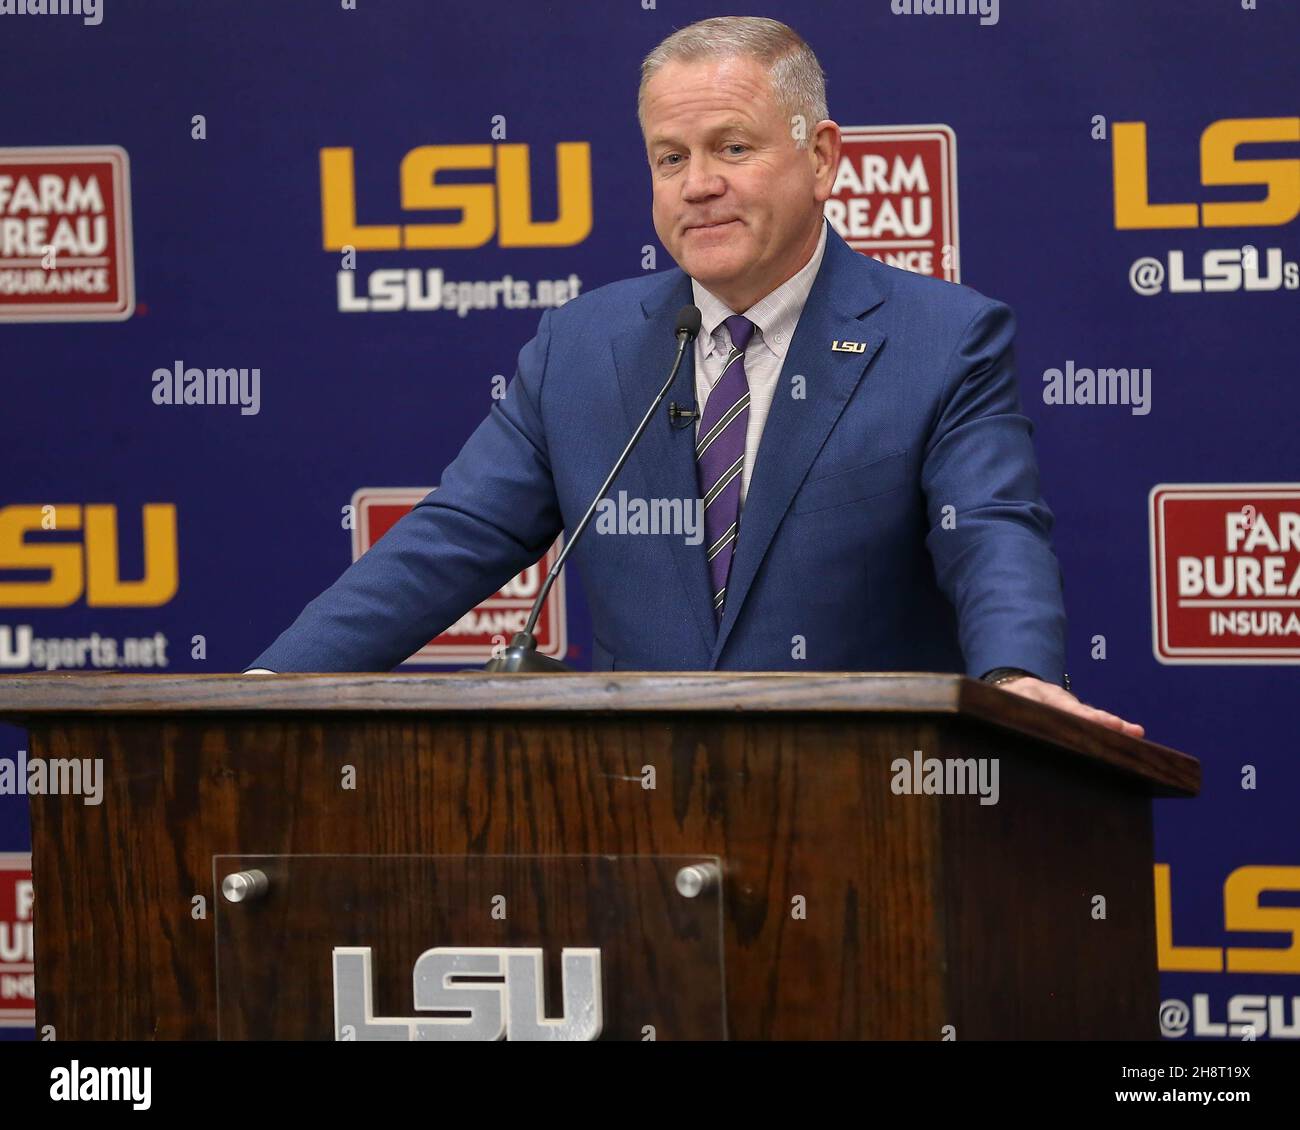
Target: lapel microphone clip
[678,412]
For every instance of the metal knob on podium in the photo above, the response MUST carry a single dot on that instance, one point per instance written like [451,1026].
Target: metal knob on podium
[694,880]
[242,886]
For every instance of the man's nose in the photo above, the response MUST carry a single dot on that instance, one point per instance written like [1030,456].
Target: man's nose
[702,181]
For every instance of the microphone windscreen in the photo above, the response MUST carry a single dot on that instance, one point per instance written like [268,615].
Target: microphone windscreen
[689,319]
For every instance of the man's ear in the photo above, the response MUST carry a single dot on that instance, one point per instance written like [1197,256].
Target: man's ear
[825,155]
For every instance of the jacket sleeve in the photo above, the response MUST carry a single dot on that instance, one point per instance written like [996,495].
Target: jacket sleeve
[992,550]
[494,514]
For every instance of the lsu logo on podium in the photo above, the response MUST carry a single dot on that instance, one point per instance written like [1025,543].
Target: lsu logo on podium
[88,564]
[502,208]
[478,635]
[494,992]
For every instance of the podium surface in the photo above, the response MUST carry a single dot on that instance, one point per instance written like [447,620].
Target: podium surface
[694,855]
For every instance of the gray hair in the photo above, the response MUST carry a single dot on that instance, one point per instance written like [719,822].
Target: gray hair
[798,81]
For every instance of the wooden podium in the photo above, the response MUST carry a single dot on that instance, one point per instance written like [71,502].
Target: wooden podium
[741,850]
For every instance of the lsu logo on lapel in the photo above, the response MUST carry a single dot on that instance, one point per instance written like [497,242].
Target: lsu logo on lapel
[849,346]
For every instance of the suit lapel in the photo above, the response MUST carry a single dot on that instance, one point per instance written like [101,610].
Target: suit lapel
[796,429]
[665,458]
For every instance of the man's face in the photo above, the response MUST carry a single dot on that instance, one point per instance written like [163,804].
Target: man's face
[737,203]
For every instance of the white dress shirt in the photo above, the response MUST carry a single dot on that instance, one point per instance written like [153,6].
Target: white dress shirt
[775,317]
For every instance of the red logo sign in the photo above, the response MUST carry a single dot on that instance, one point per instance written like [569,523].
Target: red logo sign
[1225,572]
[895,197]
[17,952]
[490,625]
[65,235]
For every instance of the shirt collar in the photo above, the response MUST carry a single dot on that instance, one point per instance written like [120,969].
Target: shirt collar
[775,316]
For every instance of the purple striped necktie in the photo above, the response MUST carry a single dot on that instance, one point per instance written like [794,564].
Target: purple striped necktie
[720,458]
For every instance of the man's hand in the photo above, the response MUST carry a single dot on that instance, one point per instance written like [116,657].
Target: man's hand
[1059,697]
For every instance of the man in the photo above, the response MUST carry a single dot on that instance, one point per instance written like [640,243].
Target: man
[869,485]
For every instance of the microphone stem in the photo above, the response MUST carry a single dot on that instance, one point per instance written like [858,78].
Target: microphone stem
[683,339]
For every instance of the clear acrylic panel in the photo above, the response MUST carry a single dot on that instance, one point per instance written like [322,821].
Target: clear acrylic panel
[439,947]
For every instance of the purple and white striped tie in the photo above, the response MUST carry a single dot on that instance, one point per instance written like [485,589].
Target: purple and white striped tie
[720,458]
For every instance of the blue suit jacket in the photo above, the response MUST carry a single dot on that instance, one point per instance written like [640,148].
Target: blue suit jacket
[893,519]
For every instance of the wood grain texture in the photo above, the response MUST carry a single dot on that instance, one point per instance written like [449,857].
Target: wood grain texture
[919,911]
[30,697]
[1028,946]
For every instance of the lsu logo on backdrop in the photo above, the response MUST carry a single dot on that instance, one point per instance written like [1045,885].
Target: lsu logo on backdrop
[484,630]
[17,948]
[76,548]
[502,208]
[1245,1015]
[497,208]
[1225,572]
[65,235]
[1147,201]
[895,197]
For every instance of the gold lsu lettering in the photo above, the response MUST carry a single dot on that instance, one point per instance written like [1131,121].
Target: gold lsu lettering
[1241,913]
[92,565]
[503,209]
[1220,165]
